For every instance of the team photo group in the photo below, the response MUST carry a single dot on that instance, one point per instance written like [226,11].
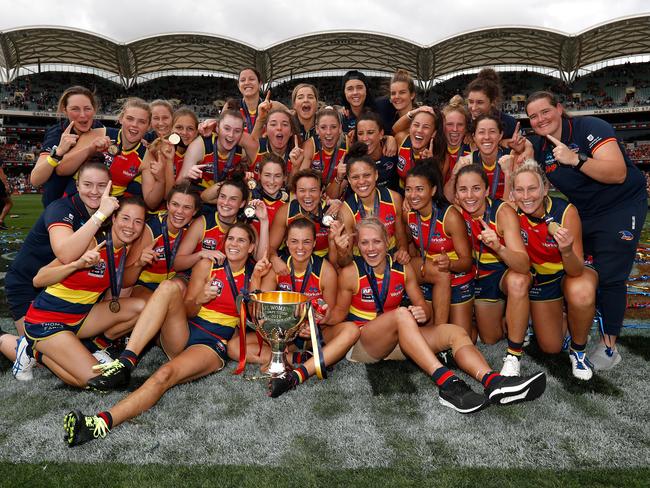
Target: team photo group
[410,231]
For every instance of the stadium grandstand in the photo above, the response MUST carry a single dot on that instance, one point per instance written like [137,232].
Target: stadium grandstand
[604,70]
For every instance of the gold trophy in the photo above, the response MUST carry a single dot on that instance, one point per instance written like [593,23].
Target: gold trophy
[278,317]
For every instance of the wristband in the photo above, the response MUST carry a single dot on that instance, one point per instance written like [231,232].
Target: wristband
[96,221]
[52,162]
[102,218]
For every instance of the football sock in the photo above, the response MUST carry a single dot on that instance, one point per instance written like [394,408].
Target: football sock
[488,377]
[515,349]
[442,375]
[578,347]
[129,359]
[301,374]
[108,418]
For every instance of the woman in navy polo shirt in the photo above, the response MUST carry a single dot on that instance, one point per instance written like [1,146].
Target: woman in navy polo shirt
[583,159]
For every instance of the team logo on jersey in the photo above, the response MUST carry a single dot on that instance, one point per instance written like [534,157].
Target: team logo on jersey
[414,230]
[399,288]
[210,244]
[389,219]
[524,236]
[401,163]
[98,270]
[285,286]
[160,252]
[218,284]
[625,235]
[366,294]
[69,219]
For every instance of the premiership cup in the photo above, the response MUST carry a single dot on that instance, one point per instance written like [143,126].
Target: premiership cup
[277,317]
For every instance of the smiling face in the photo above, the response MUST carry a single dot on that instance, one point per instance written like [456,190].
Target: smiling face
[180,210]
[471,192]
[478,103]
[185,126]
[230,131]
[329,131]
[308,193]
[229,201]
[249,85]
[362,178]
[278,130]
[423,128]
[128,224]
[355,93]
[487,137]
[135,123]
[161,120]
[305,104]
[419,192]
[238,245]
[79,109]
[455,128]
[370,134]
[271,178]
[300,242]
[91,185]
[529,192]
[545,118]
[400,96]
[372,245]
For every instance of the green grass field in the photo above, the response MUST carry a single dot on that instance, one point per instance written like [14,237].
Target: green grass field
[374,425]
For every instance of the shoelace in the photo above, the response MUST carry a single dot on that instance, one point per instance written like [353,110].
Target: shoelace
[100,429]
[110,368]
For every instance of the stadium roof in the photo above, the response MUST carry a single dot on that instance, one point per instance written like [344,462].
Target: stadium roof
[31,47]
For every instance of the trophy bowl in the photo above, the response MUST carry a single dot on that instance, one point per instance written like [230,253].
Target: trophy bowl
[278,316]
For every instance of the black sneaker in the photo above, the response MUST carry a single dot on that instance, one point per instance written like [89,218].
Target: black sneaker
[457,395]
[113,376]
[80,429]
[504,390]
[278,386]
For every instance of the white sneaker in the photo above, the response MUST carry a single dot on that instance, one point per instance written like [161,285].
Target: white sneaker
[581,367]
[510,366]
[24,363]
[102,357]
[603,358]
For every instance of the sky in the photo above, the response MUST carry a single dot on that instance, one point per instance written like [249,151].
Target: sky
[262,24]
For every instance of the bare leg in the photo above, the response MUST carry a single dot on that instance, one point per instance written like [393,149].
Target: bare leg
[67,358]
[8,344]
[548,325]
[338,341]
[489,319]
[580,295]
[516,286]
[462,315]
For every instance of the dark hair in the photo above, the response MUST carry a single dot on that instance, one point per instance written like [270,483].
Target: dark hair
[282,110]
[429,170]
[487,82]
[327,111]
[552,99]
[93,165]
[358,153]
[305,173]
[368,115]
[238,182]
[299,87]
[473,168]
[257,74]
[185,112]
[488,116]
[231,113]
[275,159]
[369,102]
[247,228]
[439,141]
[75,90]
[185,188]
[302,223]
[131,200]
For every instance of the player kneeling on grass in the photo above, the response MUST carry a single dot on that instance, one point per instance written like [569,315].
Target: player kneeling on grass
[370,292]
[196,345]
[69,309]
[315,277]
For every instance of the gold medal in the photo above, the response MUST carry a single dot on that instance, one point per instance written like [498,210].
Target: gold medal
[552,228]
[284,196]
[249,211]
[114,305]
[252,184]
[113,150]
[174,138]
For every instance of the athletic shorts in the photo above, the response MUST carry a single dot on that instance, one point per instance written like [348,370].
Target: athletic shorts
[200,335]
[45,330]
[488,287]
[547,291]
[459,293]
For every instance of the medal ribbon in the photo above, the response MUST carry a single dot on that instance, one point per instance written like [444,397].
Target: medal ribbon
[377,296]
[241,300]
[424,245]
[375,206]
[215,162]
[115,275]
[316,341]
[170,253]
[305,277]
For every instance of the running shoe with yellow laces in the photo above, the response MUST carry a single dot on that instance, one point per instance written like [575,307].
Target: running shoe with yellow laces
[80,428]
[114,375]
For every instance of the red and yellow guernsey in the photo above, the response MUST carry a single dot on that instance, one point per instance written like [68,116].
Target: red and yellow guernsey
[545,257]
[227,163]
[155,273]
[69,301]
[330,159]
[363,308]
[214,233]
[488,262]
[322,243]
[439,241]
[125,168]
[406,159]
[312,289]
[385,211]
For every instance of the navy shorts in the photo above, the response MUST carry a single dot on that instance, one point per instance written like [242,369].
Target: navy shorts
[35,332]
[547,291]
[200,335]
[488,287]
[459,293]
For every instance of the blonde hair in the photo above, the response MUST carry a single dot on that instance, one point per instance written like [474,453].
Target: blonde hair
[457,104]
[529,166]
[374,223]
[163,103]
[299,87]
[135,102]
